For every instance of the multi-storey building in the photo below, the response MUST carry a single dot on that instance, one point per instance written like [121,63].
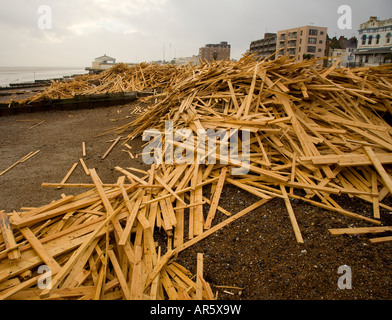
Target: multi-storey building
[302,42]
[375,42]
[220,51]
[342,49]
[265,47]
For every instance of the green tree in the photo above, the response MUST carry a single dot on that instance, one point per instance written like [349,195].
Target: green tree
[307,56]
[388,57]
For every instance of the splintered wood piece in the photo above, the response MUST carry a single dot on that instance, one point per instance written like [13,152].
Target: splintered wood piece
[111,148]
[290,211]
[380,169]
[163,183]
[69,173]
[376,203]
[179,230]
[8,236]
[133,210]
[40,250]
[198,218]
[119,274]
[364,230]
[84,166]
[84,149]
[199,277]
[74,258]
[26,157]
[381,239]
[215,199]
[37,124]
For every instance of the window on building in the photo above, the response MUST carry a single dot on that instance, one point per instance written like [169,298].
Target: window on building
[378,39]
[364,39]
[313,32]
[370,40]
[321,42]
[388,36]
[312,40]
[299,49]
[311,49]
[300,41]
[319,50]
[321,33]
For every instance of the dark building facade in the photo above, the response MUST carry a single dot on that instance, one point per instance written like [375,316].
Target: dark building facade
[265,47]
[220,51]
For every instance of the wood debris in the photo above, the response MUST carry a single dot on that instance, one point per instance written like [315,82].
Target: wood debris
[25,158]
[314,134]
[318,131]
[120,78]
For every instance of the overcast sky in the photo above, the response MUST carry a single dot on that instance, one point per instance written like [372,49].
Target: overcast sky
[145,30]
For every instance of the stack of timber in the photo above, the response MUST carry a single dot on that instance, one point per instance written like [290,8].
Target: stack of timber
[98,245]
[314,134]
[320,131]
[120,78]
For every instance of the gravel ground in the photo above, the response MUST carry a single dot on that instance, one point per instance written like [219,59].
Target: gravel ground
[257,254]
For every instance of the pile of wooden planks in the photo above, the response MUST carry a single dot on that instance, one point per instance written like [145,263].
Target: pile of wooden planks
[120,78]
[314,134]
[321,131]
[99,245]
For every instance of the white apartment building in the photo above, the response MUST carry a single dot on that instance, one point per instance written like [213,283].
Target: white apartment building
[374,42]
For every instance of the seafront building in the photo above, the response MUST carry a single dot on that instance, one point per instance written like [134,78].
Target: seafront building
[342,49]
[264,48]
[103,63]
[302,42]
[220,51]
[374,43]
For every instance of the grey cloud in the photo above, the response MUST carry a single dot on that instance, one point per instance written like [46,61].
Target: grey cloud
[139,30]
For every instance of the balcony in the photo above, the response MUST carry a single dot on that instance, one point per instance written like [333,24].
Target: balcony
[292,44]
[293,36]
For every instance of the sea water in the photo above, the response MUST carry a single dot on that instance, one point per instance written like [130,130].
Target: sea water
[30,74]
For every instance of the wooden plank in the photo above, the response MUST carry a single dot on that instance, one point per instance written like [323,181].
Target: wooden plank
[84,166]
[83,148]
[364,230]
[381,239]
[8,236]
[133,210]
[40,250]
[71,262]
[166,217]
[291,213]
[215,199]
[198,210]
[111,148]
[199,277]
[157,269]
[69,173]
[120,275]
[380,169]
[179,230]
[48,207]
[26,157]
[376,204]
[160,181]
